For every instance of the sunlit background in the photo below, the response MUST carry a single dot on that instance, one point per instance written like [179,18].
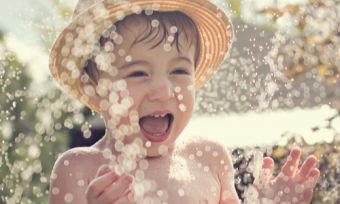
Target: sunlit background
[24,26]
[274,90]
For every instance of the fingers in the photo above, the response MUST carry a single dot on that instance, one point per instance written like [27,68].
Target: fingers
[307,196]
[268,163]
[267,169]
[306,168]
[116,189]
[309,185]
[100,183]
[266,172]
[103,169]
[290,167]
[126,199]
[312,178]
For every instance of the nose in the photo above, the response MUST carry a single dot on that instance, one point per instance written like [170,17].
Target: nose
[161,89]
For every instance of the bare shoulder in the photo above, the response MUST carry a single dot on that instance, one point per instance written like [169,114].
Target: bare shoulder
[71,174]
[70,162]
[77,158]
[218,157]
[209,152]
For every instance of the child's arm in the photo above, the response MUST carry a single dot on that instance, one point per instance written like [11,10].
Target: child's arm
[69,183]
[64,186]
[293,184]
[226,176]
[223,166]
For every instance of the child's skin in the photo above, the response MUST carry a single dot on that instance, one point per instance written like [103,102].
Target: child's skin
[197,172]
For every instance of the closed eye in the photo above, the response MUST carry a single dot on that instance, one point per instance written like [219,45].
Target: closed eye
[137,74]
[180,71]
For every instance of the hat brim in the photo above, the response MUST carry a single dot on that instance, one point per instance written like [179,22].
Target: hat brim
[66,61]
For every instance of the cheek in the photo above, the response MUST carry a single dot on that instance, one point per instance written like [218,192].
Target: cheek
[185,105]
[136,92]
[185,98]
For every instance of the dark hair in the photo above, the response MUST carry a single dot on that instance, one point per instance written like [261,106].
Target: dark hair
[185,25]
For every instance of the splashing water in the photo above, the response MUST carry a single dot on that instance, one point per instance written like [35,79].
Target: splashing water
[255,77]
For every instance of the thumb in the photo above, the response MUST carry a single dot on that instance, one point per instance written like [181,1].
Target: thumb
[103,169]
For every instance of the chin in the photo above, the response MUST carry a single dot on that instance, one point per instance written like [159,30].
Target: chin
[153,154]
[161,149]
[158,150]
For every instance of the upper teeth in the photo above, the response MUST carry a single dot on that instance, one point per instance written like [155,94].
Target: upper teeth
[157,116]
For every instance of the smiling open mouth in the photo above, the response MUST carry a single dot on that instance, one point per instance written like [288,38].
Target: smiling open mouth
[156,128]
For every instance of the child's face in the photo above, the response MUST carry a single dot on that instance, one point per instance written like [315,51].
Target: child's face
[160,81]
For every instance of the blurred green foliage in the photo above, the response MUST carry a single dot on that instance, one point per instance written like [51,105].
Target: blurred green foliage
[28,145]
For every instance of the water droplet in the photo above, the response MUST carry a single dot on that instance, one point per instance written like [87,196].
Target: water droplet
[54,176]
[89,90]
[143,164]
[108,47]
[206,168]
[173,29]
[107,153]
[215,154]
[181,192]
[160,193]
[154,23]
[128,58]
[177,89]
[170,39]
[299,188]
[182,107]
[120,15]
[148,11]
[104,105]
[287,190]
[81,182]
[139,175]
[119,145]
[167,47]
[66,162]
[163,150]
[121,52]
[68,198]
[147,144]
[55,190]
[190,88]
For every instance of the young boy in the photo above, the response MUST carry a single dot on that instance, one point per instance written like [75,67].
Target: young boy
[138,63]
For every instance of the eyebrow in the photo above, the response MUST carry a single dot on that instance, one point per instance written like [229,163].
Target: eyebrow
[132,63]
[182,58]
[143,62]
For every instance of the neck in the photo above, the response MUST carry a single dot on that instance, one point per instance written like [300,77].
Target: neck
[106,142]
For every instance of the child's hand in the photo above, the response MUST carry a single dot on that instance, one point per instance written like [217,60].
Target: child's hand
[292,185]
[108,188]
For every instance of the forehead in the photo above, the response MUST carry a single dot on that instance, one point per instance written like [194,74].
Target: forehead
[172,27]
[153,46]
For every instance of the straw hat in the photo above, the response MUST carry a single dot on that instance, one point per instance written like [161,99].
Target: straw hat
[92,17]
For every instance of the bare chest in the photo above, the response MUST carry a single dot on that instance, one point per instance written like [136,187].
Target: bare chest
[177,181]
[172,180]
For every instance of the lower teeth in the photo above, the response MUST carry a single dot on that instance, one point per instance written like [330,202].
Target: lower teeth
[157,134]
